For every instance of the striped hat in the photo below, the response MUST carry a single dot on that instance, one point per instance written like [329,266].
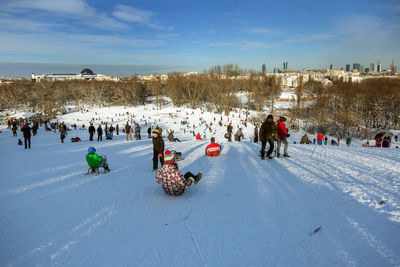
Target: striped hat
[168,157]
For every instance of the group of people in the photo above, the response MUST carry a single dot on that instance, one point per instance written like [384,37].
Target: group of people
[271,132]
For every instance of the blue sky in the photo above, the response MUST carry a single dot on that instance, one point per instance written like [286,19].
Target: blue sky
[199,34]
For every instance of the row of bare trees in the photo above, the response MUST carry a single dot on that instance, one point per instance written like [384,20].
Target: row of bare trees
[341,107]
[219,93]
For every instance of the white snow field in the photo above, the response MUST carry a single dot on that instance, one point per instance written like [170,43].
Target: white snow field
[318,208]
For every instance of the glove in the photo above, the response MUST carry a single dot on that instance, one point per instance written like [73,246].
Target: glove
[288,135]
[160,155]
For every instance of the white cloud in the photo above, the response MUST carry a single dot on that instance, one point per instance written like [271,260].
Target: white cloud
[134,15]
[77,10]
[249,45]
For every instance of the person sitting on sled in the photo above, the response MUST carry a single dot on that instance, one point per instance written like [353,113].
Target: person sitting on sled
[95,161]
[213,149]
[173,182]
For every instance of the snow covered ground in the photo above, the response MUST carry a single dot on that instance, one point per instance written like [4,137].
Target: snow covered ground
[318,208]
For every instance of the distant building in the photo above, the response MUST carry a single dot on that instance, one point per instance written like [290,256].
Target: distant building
[379,66]
[331,66]
[361,69]
[348,67]
[264,69]
[366,70]
[285,65]
[276,70]
[372,67]
[85,74]
[356,66]
[393,67]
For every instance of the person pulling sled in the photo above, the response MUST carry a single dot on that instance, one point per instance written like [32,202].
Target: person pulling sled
[95,162]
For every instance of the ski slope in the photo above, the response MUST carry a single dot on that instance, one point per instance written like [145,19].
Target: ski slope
[318,208]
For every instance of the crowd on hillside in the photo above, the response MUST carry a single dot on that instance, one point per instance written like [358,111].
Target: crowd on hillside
[271,134]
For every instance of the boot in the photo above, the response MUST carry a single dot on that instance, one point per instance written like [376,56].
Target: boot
[286,155]
[270,156]
[197,178]
[278,155]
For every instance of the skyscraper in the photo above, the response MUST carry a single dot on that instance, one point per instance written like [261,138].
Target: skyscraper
[331,66]
[347,67]
[263,69]
[356,66]
[361,69]
[372,67]
[393,67]
[379,66]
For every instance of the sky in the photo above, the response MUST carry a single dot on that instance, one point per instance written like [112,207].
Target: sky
[199,34]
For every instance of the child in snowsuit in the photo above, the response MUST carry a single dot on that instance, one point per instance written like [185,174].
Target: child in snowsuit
[95,161]
[173,182]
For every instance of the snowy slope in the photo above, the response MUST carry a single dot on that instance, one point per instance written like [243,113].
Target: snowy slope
[244,212]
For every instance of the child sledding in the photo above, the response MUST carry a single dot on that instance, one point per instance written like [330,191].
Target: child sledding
[96,162]
[172,181]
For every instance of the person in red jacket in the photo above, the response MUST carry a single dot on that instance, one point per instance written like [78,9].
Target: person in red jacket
[213,149]
[198,137]
[320,138]
[282,137]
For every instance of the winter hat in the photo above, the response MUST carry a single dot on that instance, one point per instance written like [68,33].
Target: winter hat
[270,116]
[156,131]
[283,119]
[168,157]
[91,150]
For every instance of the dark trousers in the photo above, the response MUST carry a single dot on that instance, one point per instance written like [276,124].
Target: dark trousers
[27,141]
[271,147]
[62,138]
[155,160]
[100,137]
[188,175]
[91,137]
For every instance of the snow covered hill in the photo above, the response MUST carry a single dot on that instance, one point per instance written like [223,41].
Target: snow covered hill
[324,206]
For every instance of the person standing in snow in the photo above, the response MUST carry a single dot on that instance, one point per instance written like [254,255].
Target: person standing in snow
[99,133]
[127,131]
[91,130]
[137,132]
[14,129]
[158,149]
[26,130]
[149,131]
[117,129]
[282,137]
[172,181]
[62,133]
[256,134]
[348,139]
[320,138]
[268,134]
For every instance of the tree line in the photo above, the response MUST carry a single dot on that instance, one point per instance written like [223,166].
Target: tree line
[343,107]
[335,108]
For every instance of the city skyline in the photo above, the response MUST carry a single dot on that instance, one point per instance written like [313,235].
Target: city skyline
[198,35]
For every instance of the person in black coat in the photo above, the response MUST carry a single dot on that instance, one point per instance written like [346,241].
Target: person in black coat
[149,131]
[99,133]
[27,135]
[158,149]
[92,130]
